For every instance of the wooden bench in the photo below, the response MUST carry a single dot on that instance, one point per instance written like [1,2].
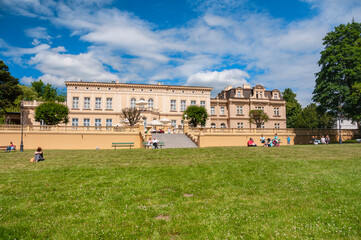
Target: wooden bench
[5,147]
[123,144]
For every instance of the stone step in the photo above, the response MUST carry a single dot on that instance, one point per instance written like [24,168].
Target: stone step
[177,140]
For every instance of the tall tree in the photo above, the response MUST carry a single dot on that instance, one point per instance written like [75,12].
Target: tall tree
[196,115]
[293,107]
[52,113]
[340,74]
[312,117]
[258,117]
[9,89]
[47,92]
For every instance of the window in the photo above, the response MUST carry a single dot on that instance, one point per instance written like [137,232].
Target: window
[183,105]
[98,123]
[222,111]
[109,103]
[213,125]
[74,122]
[203,104]
[142,106]
[260,95]
[98,103]
[239,110]
[223,125]
[109,122]
[150,103]
[238,125]
[213,112]
[260,108]
[277,125]
[75,102]
[238,94]
[173,106]
[86,103]
[132,103]
[193,102]
[276,111]
[173,123]
[276,95]
[241,124]
[256,94]
[86,122]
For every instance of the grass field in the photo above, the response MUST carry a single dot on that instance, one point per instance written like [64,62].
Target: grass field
[302,192]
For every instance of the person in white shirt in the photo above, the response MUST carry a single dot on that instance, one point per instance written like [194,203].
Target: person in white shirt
[155,143]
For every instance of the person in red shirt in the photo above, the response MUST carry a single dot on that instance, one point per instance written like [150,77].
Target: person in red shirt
[251,143]
[10,147]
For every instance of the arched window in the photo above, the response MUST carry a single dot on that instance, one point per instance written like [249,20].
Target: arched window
[223,125]
[132,103]
[213,125]
[142,106]
[150,103]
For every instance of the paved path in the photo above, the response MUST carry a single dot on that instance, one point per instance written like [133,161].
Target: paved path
[174,140]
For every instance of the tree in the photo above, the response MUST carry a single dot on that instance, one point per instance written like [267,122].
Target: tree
[52,113]
[196,115]
[9,89]
[337,83]
[293,107]
[133,115]
[258,117]
[47,92]
[312,117]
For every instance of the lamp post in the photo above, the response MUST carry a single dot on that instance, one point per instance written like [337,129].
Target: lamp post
[22,125]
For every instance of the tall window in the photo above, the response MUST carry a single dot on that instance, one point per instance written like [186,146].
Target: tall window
[223,125]
[276,95]
[86,122]
[239,110]
[86,103]
[260,95]
[276,111]
[173,106]
[222,111]
[150,103]
[256,94]
[203,104]
[238,125]
[74,122]
[238,94]
[241,124]
[109,122]
[193,102]
[132,103]
[109,103]
[98,123]
[98,103]
[213,125]
[213,111]
[75,102]
[173,123]
[183,105]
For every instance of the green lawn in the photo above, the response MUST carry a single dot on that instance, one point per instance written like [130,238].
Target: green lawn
[301,192]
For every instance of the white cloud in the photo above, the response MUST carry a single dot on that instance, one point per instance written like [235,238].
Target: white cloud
[219,80]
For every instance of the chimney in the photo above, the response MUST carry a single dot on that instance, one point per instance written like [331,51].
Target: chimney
[246,86]
[117,81]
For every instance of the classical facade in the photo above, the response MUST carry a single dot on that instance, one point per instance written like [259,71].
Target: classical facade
[230,109]
[100,104]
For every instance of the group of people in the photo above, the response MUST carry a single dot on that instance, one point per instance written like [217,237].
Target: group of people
[275,142]
[38,155]
[323,140]
[10,147]
[152,143]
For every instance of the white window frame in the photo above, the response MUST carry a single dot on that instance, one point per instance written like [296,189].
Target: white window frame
[132,103]
[75,102]
[203,104]
[213,111]
[109,103]
[173,105]
[193,102]
[86,122]
[98,103]
[183,105]
[150,103]
[173,123]
[239,110]
[222,111]
[75,122]
[86,102]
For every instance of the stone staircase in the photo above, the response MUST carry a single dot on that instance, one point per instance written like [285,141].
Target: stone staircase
[174,140]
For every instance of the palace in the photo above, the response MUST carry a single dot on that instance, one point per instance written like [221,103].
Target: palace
[99,104]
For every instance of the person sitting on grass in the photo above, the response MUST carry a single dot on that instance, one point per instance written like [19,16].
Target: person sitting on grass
[323,140]
[39,155]
[251,143]
[327,139]
[10,147]
[313,140]
[262,139]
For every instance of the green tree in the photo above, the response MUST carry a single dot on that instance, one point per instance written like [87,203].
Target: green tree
[340,74]
[196,115]
[47,92]
[38,86]
[258,117]
[312,117]
[293,107]
[52,113]
[132,115]
[9,89]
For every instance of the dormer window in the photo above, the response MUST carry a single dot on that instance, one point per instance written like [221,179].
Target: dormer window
[238,94]
[256,94]
[260,95]
[276,96]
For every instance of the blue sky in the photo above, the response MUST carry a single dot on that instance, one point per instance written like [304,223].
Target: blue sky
[201,42]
